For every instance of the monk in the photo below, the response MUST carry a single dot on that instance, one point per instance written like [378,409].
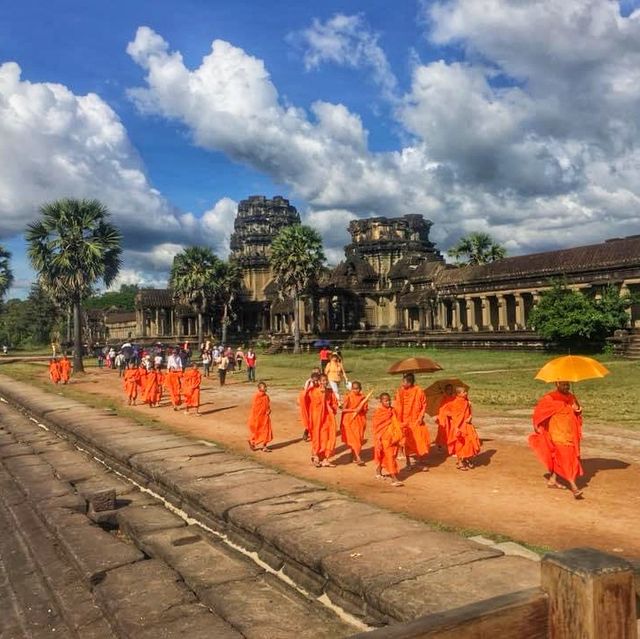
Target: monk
[410,406]
[557,422]
[462,437]
[314,380]
[54,370]
[172,379]
[353,421]
[260,433]
[142,379]
[130,383]
[65,369]
[153,387]
[443,435]
[191,381]
[387,435]
[322,406]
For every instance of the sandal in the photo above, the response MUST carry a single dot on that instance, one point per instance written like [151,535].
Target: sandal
[266,449]
[557,486]
[577,494]
[360,463]
[396,483]
[316,461]
[327,464]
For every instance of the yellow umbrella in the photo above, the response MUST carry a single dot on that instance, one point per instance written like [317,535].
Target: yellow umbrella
[571,368]
[414,365]
[436,391]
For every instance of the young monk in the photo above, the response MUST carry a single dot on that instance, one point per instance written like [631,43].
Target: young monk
[322,406]
[65,369]
[172,379]
[130,383]
[153,387]
[410,405]
[260,433]
[191,381]
[314,380]
[54,370]
[387,435]
[557,422]
[442,437]
[463,439]
[354,420]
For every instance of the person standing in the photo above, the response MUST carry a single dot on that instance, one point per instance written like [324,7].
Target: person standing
[54,370]
[223,365]
[260,432]
[387,436]
[462,438]
[65,369]
[325,356]
[353,421]
[206,362]
[130,383]
[410,405]
[191,381]
[250,361]
[322,406]
[442,438]
[335,373]
[239,358]
[173,377]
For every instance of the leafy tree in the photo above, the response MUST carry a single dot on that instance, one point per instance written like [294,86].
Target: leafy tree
[6,276]
[477,248]
[613,308]
[13,323]
[192,279]
[41,315]
[296,258]
[123,299]
[227,285]
[73,247]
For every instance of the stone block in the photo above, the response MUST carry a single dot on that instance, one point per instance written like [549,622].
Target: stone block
[137,521]
[100,500]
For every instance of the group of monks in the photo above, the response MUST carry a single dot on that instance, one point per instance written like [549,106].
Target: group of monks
[60,370]
[149,386]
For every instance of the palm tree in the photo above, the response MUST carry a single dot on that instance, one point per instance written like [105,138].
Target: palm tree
[477,248]
[6,276]
[72,248]
[228,283]
[192,279]
[296,258]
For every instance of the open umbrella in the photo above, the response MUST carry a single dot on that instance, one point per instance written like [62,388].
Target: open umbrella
[414,365]
[571,368]
[436,391]
[319,343]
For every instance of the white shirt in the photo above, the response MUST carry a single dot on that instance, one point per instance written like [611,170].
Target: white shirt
[174,363]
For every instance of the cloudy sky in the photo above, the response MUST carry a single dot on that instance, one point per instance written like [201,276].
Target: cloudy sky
[520,118]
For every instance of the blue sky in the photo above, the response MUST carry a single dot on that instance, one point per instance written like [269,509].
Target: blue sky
[508,117]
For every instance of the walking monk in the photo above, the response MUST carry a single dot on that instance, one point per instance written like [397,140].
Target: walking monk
[65,369]
[54,370]
[314,380]
[153,387]
[410,406]
[463,440]
[130,383]
[191,381]
[557,422]
[322,406]
[172,379]
[354,420]
[442,437]
[260,433]
[387,435]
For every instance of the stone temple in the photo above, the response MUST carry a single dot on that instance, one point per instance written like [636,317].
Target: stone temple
[393,286]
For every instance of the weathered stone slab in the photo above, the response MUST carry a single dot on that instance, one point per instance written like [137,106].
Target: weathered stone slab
[14,450]
[137,521]
[175,458]
[44,490]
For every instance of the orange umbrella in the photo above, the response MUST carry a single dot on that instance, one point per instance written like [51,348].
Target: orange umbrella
[436,391]
[414,365]
[571,368]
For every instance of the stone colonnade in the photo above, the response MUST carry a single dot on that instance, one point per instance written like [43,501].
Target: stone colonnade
[163,322]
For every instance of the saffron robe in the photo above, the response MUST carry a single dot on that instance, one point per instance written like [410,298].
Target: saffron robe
[387,435]
[65,370]
[191,380]
[322,407]
[54,371]
[130,383]
[153,387]
[352,425]
[172,384]
[410,405]
[260,433]
[463,440]
[558,431]
[442,437]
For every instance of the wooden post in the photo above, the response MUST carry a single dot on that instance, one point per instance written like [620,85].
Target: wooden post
[591,595]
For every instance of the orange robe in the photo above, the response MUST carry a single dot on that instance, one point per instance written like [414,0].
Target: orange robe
[463,440]
[65,370]
[260,433]
[352,425]
[130,383]
[153,387]
[322,408]
[172,384]
[191,380]
[387,435]
[54,372]
[304,409]
[558,431]
[410,405]
[443,432]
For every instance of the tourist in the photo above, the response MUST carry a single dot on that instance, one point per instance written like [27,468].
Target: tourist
[314,380]
[131,383]
[153,387]
[410,406]
[322,406]
[260,433]
[557,421]
[99,356]
[462,438]
[250,361]
[173,377]
[239,358]
[54,370]
[111,357]
[387,436]
[191,382]
[325,356]
[120,363]
[157,359]
[223,365]
[354,420]
[442,438]
[335,373]
[206,362]
[65,369]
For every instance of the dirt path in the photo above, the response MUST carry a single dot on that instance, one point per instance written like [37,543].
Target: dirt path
[506,494]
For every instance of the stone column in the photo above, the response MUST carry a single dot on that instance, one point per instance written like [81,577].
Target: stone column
[503,324]
[442,314]
[486,314]
[471,314]
[624,290]
[520,319]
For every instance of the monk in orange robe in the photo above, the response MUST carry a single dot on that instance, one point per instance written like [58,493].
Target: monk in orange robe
[557,422]
[387,435]
[172,380]
[353,421]
[54,370]
[130,383]
[410,406]
[65,369]
[463,440]
[153,387]
[191,381]
[322,406]
[260,433]
[314,380]
[442,437]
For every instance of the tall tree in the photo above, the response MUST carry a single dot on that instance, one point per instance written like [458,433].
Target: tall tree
[73,247]
[296,258]
[6,276]
[227,284]
[477,248]
[192,281]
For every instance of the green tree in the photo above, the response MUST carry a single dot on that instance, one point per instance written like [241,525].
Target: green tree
[477,248]
[41,315]
[14,329]
[6,276]
[73,247]
[123,299]
[192,280]
[296,258]
[227,285]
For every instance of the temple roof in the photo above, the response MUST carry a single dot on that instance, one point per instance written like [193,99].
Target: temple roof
[352,267]
[154,298]
[116,318]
